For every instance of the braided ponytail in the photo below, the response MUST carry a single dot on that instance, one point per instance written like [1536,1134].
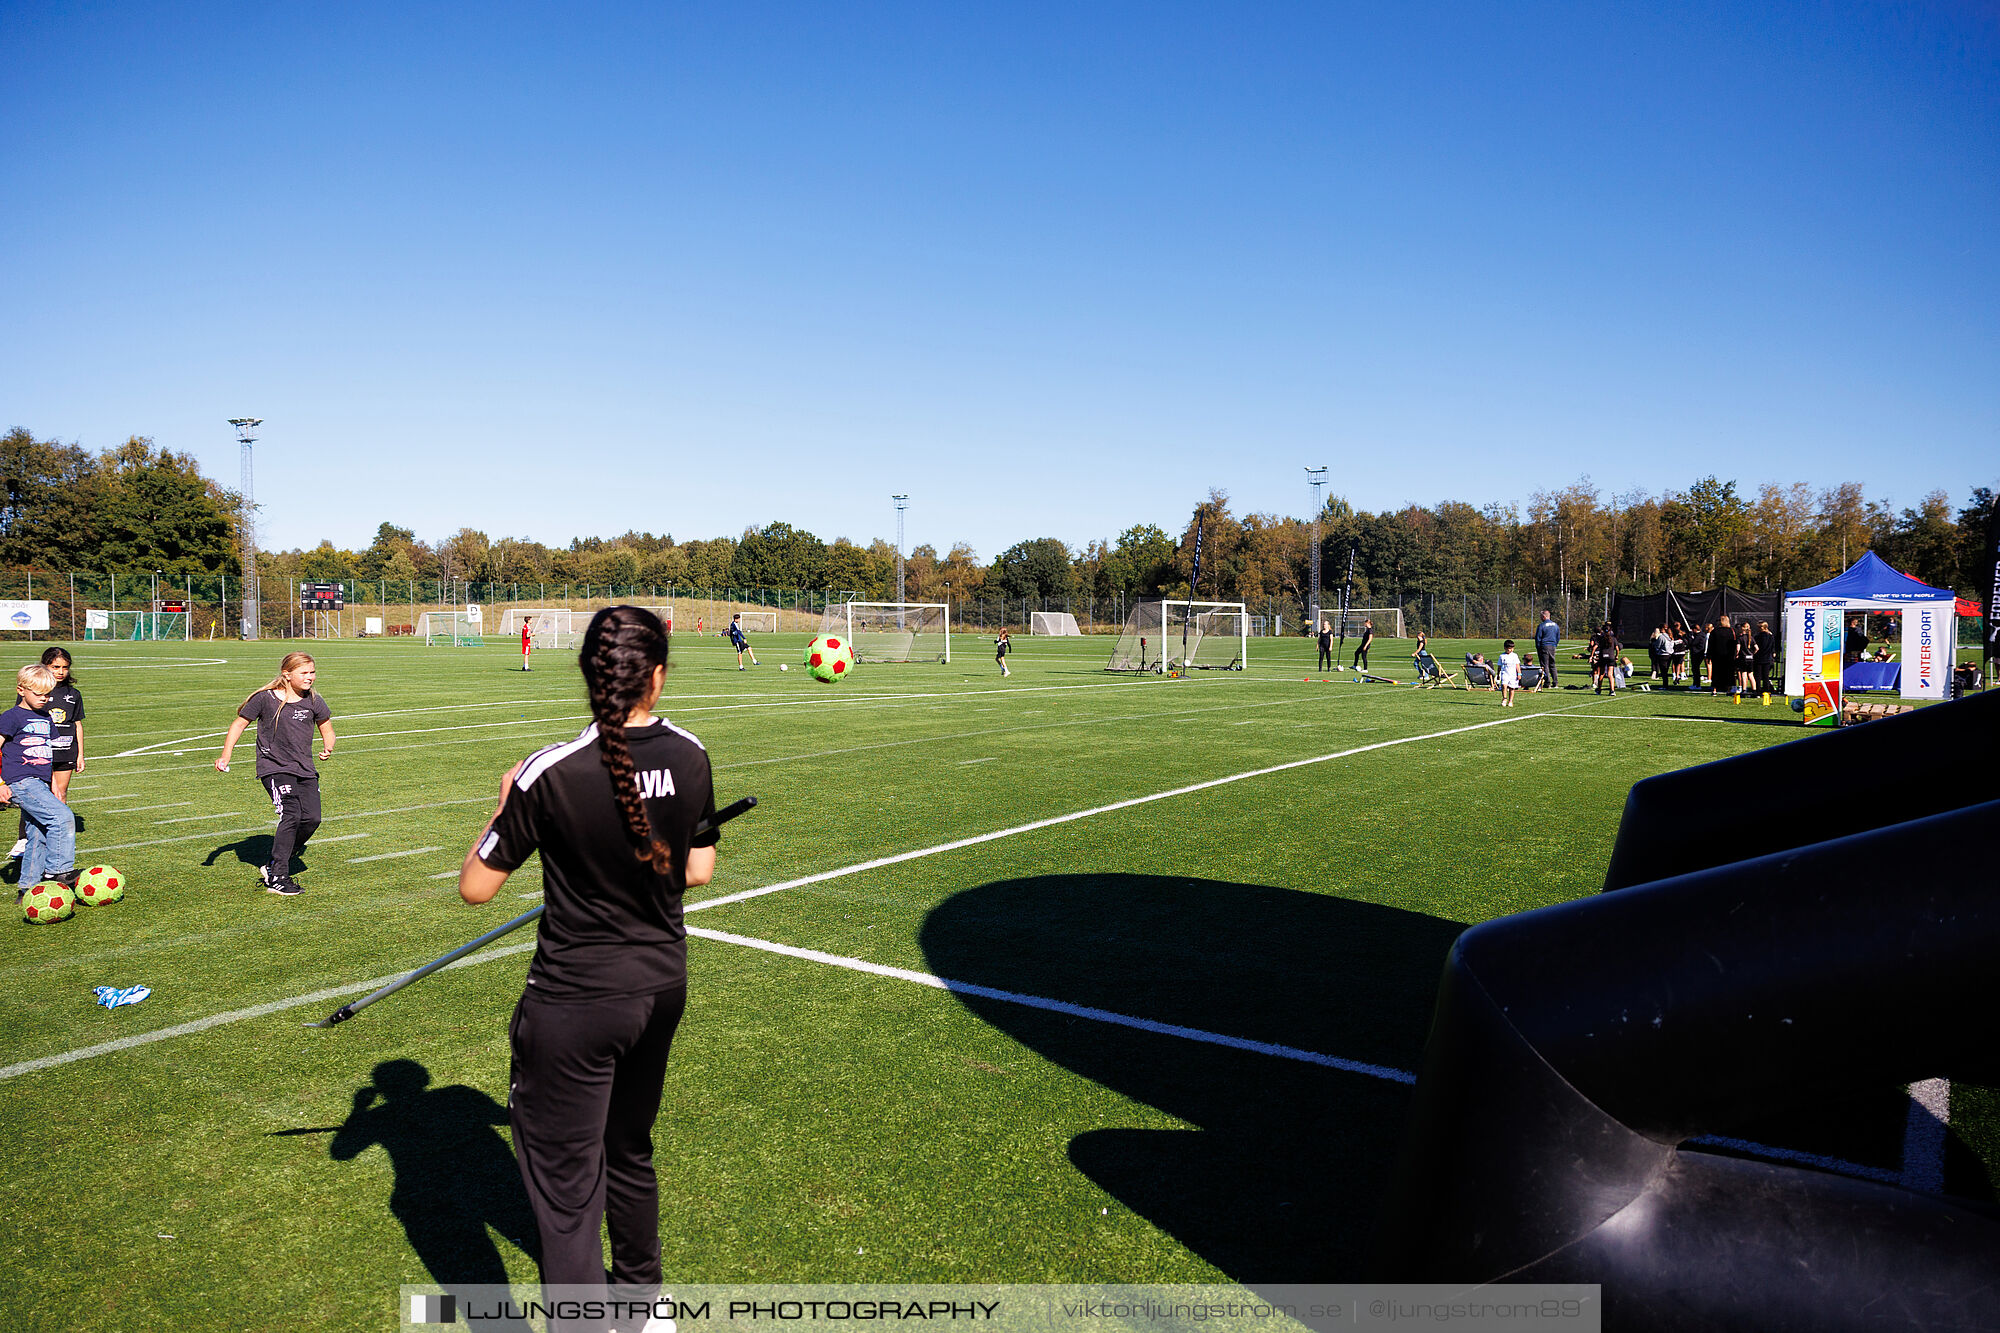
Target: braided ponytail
[620,650]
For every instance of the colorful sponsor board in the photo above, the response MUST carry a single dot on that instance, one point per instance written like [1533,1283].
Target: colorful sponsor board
[1820,660]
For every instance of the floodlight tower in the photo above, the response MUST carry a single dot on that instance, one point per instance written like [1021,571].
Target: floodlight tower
[246,436]
[1315,478]
[902,503]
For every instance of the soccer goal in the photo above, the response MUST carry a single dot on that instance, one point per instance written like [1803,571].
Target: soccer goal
[759,622]
[1171,636]
[1388,621]
[892,631]
[1053,622]
[136,625]
[514,617]
[456,629]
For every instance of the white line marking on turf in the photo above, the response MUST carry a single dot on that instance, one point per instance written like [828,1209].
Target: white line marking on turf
[135,809]
[443,874]
[189,819]
[390,856]
[238,1015]
[1061,1007]
[987,760]
[344,837]
[226,832]
[1127,804]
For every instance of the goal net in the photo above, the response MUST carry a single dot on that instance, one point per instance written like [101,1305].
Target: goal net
[1053,622]
[136,625]
[1170,636]
[759,622]
[514,617]
[892,631]
[1389,621]
[553,629]
[455,629]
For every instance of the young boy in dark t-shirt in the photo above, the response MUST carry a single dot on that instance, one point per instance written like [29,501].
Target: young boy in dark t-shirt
[27,741]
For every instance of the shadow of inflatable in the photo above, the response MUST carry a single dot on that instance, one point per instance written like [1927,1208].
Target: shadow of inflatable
[1281,1178]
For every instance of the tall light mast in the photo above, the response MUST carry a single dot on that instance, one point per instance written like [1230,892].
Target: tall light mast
[246,436]
[1315,478]
[902,503]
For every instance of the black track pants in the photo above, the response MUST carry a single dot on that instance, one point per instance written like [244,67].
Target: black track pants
[1546,659]
[1325,658]
[1361,658]
[297,802]
[582,1097]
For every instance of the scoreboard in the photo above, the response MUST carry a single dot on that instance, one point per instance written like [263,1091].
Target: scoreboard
[322,596]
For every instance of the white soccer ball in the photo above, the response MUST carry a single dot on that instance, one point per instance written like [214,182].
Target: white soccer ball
[784,666]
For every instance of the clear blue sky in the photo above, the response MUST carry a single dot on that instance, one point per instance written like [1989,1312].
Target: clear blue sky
[1053,269]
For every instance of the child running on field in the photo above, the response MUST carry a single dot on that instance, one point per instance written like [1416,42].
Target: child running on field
[66,712]
[286,712]
[1001,647]
[1510,674]
[27,744]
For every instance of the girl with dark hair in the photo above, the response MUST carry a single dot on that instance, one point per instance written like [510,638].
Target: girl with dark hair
[613,814]
[287,712]
[66,717]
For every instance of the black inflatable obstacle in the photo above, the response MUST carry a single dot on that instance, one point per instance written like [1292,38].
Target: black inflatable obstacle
[1774,964]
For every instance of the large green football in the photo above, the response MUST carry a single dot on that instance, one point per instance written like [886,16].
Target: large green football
[47,902]
[829,658]
[99,885]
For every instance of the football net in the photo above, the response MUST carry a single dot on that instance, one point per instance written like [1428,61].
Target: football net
[1388,621]
[892,631]
[759,622]
[558,618]
[1053,622]
[1171,636]
[454,629]
[136,625]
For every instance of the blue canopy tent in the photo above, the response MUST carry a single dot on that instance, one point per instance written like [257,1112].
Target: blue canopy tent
[1815,623]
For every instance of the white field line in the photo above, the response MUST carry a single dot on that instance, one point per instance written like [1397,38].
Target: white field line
[1127,804]
[1061,1007]
[128,796]
[987,760]
[237,1016]
[847,701]
[189,819]
[344,837]
[390,856]
[157,666]
[136,809]
[223,833]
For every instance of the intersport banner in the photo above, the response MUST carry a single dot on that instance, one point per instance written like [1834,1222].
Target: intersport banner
[1819,661]
[1927,631]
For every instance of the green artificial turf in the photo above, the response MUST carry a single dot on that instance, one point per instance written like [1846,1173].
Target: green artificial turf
[820,1123]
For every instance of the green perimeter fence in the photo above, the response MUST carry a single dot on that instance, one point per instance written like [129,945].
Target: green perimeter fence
[216,603]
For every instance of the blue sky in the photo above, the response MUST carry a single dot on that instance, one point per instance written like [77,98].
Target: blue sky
[1052,270]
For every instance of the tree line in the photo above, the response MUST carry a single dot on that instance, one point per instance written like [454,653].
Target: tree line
[139,508]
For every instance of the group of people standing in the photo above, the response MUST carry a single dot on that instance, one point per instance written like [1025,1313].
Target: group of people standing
[1739,658]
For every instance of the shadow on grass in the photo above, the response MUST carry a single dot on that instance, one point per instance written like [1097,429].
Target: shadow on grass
[1281,1179]
[254,850]
[455,1177]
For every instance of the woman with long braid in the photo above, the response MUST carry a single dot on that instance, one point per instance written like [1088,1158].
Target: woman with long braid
[613,814]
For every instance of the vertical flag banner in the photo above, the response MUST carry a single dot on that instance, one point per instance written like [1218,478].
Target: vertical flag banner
[1926,651]
[1347,592]
[1990,636]
[1819,660]
[1194,582]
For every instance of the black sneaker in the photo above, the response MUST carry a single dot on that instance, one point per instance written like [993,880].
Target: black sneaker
[285,885]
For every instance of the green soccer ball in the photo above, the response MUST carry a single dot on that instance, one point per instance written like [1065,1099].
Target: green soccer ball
[47,902]
[829,658]
[99,885]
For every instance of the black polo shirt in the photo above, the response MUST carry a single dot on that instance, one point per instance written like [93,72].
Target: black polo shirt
[611,926]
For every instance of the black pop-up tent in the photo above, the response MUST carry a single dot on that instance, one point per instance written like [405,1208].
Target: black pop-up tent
[1635,618]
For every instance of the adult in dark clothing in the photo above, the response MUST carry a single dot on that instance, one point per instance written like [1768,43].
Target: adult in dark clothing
[1605,677]
[1764,648]
[613,814]
[1722,658]
[1361,649]
[1855,645]
[1326,645]
[1548,637]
